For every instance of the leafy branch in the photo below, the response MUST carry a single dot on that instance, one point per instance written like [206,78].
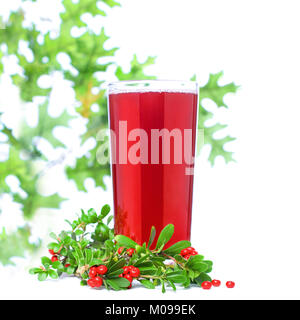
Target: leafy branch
[118,259]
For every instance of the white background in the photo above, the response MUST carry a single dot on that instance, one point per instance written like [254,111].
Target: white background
[246,214]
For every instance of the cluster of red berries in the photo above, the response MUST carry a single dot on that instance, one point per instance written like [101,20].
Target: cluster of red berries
[206,285]
[188,252]
[95,274]
[129,273]
[129,251]
[54,255]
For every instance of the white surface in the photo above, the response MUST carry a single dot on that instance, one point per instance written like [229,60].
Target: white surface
[246,217]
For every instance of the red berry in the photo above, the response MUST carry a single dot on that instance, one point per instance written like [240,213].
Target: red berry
[130,251]
[128,277]
[67,265]
[120,250]
[206,285]
[102,269]
[126,270]
[54,259]
[130,286]
[194,253]
[187,257]
[51,252]
[190,249]
[184,252]
[98,282]
[91,283]
[135,272]
[121,275]
[216,283]
[93,272]
[230,284]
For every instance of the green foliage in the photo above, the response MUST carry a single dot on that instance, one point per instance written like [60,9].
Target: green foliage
[213,91]
[78,252]
[24,171]
[137,70]
[15,244]
[44,128]
[83,53]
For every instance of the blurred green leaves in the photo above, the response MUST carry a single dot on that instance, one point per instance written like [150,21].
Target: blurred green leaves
[85,75]
[15,244]
[216,93]
[137,70]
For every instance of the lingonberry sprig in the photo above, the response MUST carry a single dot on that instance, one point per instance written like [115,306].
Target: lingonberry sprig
[91,252]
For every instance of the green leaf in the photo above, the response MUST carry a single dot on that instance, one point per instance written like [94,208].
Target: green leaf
[179,258]
[53,274]
[88,256]
[54,246]
[35,201]
[58,265]
[141,260]
[209,266]
[84,217]
[15,244]
[35,271]
[177,247]
[115,273]
[53,235]
[165,236]
[203,277]
[24,171]
[152,236]
[93,218]
[147,284]
[124,241]
[213,91]
[197,264]
[71,270]
[67,240]
[46,261]
[96,262]
[69,223]
[177,277]
[118,283]
[111,3]
[105,211]
[45,127]
[42,276]
[109,245]
[79,232]
[163,287]
[147,267]
[118,265]
[88,168]
[109,219]
[122,282]
[172,285]
[137,70]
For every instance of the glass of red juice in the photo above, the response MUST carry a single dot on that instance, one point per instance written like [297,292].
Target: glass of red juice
[153,136]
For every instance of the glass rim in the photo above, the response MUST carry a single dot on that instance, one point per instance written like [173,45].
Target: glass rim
[154,85]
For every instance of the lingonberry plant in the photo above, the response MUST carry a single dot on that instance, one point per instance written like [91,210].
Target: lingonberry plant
[91,252]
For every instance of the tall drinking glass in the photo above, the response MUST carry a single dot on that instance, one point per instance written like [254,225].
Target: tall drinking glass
[153,136]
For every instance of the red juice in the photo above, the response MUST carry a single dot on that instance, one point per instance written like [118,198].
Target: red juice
[160,191]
